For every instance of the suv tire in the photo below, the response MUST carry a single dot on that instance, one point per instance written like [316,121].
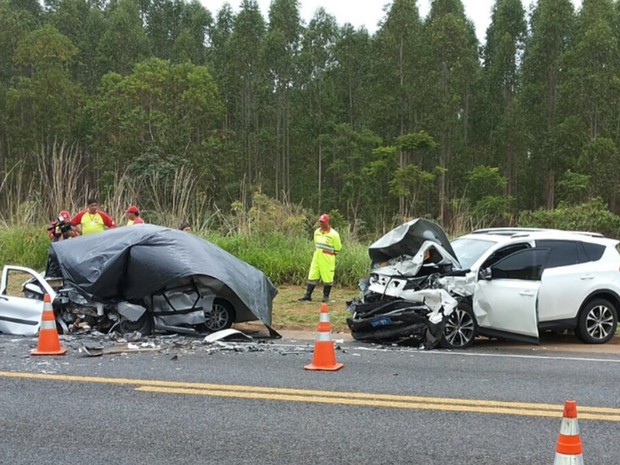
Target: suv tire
[597,322]
[461,328]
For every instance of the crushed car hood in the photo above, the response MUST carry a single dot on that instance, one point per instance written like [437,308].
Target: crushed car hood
[129,263]
[407,239]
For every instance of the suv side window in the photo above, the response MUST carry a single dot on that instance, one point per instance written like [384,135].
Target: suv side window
[563,253]
[525,264]
[594,252]
[503,252]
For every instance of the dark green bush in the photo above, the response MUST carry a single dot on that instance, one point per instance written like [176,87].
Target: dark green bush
[590,216]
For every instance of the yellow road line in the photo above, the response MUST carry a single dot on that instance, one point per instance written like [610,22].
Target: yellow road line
[382,403]
[334,397]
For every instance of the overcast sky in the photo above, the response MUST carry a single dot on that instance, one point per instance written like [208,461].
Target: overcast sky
[368,12]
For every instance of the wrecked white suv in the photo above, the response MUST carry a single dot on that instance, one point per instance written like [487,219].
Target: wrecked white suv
[510,283]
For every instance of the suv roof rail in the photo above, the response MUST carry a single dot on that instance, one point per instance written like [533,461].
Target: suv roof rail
[526,231]
[507,231]
[587,233]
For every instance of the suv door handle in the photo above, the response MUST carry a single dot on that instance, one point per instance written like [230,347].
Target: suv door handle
[527,293]
[584,278]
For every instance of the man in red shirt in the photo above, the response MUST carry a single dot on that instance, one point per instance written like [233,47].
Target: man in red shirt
[92,220]
[133,216]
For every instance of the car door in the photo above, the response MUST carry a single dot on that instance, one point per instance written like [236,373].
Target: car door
[569,279]
[505,297]
[20,315]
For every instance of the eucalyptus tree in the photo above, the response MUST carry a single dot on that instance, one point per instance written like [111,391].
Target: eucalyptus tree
[502,116]
[351,75]
[347,153]
[124,42]
[591,92]
[82,22]
[451,70]
[281,51]
[551,27]
[314,107]
[396,71]
[592,85]
[43,102]
[600,160]
[177,29]
[162,18]
[157,119]
[219,59]
[190,43]
[15,24]
[246,78]
[397,75]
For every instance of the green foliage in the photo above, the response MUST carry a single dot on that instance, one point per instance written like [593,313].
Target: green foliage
[267,217]
[157,119]
[589,216]
[416,141]
[189,117]
[24,245]
[600,160]
[573,188]
[484,181]
[492,210]
[286,259]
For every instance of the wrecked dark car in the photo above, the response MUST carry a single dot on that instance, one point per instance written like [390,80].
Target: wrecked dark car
[403,299]
[142,278]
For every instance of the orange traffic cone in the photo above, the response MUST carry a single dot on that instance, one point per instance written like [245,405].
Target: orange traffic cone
[49,344]
[324,353]
[569,450]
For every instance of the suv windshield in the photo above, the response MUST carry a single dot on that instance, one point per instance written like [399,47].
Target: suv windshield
[469,250]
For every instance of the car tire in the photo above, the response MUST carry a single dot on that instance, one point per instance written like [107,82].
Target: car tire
[143,325]
[221,316]
[597,322]
[461,328]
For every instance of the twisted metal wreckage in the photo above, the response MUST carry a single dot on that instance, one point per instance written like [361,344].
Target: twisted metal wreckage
[139,279]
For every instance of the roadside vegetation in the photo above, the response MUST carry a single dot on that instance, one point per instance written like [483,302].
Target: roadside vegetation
[249,127]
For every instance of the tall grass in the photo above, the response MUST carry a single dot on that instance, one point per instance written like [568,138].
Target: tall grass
[286,260]
[25,246]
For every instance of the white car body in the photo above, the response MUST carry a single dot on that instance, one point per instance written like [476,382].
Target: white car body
[515,281]
[21,315]
[568,283]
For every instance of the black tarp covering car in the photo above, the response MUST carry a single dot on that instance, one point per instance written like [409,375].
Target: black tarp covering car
[135,263]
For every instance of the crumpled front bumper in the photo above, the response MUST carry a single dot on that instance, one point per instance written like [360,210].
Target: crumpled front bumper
[397,321]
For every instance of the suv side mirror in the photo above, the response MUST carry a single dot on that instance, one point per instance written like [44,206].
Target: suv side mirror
[485,274]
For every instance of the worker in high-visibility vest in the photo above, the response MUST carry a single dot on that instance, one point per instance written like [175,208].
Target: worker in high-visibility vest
[326,246]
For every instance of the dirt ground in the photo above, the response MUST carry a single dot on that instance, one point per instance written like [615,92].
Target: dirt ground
[289,313]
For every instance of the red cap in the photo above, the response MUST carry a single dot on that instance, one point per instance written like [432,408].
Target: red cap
[65,214]
[324,218]
[133,209]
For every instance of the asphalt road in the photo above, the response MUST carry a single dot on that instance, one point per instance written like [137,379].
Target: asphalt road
[253,403]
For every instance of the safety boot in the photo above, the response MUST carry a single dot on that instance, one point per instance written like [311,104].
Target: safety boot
[307,297]
[326,291]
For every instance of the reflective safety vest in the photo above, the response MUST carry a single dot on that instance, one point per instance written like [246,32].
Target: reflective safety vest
[327,242]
